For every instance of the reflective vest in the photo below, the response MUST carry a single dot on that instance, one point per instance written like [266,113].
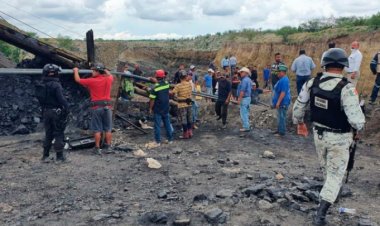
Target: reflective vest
[128,87]
[160,94]
[326,106]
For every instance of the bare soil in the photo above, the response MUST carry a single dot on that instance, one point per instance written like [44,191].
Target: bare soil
[119,188]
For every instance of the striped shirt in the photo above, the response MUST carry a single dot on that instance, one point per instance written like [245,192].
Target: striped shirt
[183,91]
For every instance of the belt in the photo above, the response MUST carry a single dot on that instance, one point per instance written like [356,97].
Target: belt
[101,103]
[320,130]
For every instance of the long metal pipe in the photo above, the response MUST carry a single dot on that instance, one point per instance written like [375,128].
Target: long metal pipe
[22,71]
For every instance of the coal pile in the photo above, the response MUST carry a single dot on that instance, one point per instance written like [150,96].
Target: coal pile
[20,112]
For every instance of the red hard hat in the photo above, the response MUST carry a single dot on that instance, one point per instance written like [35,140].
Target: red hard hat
[160,74]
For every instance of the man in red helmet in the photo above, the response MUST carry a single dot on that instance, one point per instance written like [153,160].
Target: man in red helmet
[159,106]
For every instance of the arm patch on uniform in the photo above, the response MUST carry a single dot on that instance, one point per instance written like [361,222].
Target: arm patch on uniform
[321,103]
[354,92]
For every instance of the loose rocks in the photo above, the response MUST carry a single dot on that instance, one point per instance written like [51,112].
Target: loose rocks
[268,155]
[215,215]
[264,205]
[100,217]
[224,193]
[253,190]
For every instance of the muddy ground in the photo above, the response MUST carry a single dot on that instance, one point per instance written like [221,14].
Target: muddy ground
[217,177]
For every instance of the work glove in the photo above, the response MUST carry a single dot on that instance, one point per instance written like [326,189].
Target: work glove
[189,101]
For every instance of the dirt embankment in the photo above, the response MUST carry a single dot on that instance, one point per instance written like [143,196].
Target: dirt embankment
[261,53]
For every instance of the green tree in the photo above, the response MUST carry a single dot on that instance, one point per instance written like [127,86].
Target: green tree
[65,42]
[374,21]
[286,31]
[10,51]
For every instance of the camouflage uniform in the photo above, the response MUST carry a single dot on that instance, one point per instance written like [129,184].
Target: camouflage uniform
[332,148]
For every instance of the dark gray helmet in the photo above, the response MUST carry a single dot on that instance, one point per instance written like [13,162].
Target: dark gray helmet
[335,56]
[51,69]
[182,74]
[98,67]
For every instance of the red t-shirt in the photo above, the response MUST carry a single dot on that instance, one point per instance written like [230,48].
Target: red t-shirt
[99,87]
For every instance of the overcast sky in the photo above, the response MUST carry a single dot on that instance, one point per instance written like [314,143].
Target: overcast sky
[137,19]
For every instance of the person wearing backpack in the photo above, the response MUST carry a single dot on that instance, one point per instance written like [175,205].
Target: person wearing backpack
[55,109]
[336,113]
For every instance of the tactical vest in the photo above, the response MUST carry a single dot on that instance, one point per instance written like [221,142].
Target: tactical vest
[45,93]
[326,106]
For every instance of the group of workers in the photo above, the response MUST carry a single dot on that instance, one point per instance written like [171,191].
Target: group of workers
[333,99]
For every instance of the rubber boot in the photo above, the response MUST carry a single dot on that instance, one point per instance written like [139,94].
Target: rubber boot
[190,132]
[45,155]
[320,218]
[60,156]
[185,135]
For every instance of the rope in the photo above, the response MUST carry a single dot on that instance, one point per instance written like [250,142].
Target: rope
[47,21]
[26,24]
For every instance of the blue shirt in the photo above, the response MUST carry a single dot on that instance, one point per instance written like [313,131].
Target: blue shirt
[283,85]
[245,86]
[208,80]
[255,95]
[303,65]
[266,74]
[233,61]
[225,62]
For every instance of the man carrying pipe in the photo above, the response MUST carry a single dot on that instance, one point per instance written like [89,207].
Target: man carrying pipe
[99,86]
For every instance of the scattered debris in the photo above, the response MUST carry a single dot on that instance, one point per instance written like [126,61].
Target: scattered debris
[139,153]
[269,155]
[5,208]
[182,220]
[151,145]
[279,176]
[153,164]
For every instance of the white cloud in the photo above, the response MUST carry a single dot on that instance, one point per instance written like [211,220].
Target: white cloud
[136,19]
[220,8]
[129,36]
[161,10]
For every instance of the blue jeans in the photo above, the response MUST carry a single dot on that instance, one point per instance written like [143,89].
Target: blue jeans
[244,112]
[209,90]
[157,127]
[281,119]
[195,109]
[300,81]
[375,90]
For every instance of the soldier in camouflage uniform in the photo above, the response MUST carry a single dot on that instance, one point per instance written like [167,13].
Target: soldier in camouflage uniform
[335,110]
[375,68]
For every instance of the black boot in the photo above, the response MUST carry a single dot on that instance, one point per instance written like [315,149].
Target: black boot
[320,218]
[45,155]
[60,156]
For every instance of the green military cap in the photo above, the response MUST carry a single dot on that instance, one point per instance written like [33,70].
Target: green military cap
[282,67]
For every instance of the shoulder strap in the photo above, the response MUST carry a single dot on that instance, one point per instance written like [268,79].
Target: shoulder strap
[342,84]
[317,80]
